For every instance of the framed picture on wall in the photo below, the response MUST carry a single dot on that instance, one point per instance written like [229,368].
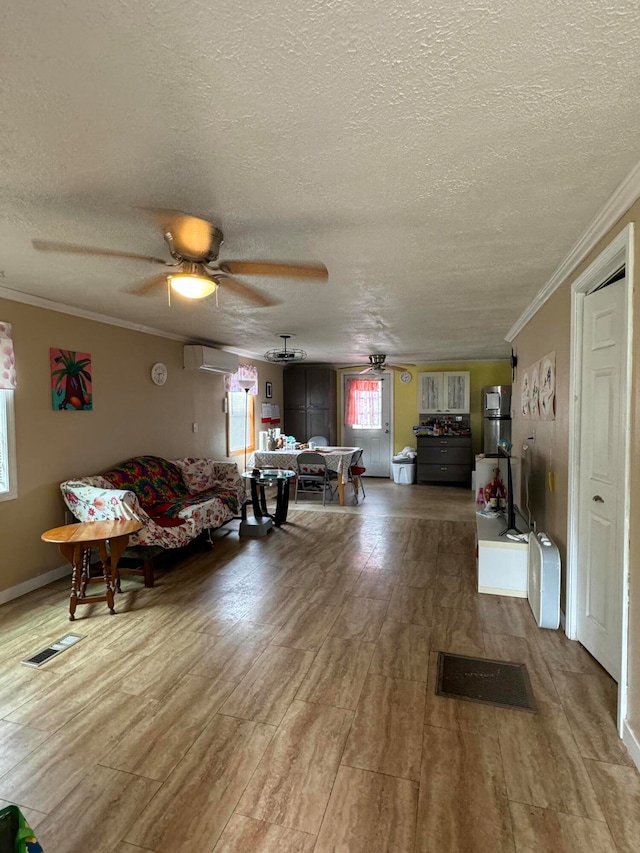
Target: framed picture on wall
[268,390]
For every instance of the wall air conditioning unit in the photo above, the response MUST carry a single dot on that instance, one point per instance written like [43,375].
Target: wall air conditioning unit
[209,359]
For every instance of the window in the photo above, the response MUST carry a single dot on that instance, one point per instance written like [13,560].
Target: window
[237,403]
[8,486]
[364,404]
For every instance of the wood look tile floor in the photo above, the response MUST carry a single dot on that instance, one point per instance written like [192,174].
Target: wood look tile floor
[277,694]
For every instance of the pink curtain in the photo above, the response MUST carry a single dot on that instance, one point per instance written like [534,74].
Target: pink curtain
[245,371]
[7,358]
[363,403]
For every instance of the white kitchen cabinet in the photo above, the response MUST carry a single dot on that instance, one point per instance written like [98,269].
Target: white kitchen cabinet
[444,393]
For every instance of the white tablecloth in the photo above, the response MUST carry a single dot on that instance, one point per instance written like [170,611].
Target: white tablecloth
[338,459]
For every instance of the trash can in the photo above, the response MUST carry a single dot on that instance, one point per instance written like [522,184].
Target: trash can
[16,836]
[404,471]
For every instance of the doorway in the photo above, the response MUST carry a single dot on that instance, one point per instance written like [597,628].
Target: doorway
[599,455]
[367,405]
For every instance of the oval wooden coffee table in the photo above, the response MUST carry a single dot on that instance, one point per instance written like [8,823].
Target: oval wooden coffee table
[75,542]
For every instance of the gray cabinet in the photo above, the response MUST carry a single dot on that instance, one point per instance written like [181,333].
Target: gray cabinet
[444,459]
[310,402]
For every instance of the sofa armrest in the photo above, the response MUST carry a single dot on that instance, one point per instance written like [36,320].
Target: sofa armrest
[89,503]
[227,472]
[228,476]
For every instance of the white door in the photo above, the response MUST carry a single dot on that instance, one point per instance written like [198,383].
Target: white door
[600,519]
[374,434]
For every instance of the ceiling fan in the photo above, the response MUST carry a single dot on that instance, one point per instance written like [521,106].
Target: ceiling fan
[378,364]
[196,272]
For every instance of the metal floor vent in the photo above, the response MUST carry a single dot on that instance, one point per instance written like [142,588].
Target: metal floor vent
[54,649]
[494,682]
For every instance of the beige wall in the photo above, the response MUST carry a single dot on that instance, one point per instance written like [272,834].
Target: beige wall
[549,330]
[131,416]
[548,441]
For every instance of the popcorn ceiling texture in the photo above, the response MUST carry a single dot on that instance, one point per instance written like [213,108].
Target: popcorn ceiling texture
[440,157]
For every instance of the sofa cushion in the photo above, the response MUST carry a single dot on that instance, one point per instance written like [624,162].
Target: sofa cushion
[154,480]
[171,509]
[198,474]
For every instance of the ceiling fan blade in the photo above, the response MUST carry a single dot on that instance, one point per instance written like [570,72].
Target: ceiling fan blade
[70,248]
[351,366]
[399,366]
[282,269]
[192,236]
[245,291]
[149,285]
[366,370]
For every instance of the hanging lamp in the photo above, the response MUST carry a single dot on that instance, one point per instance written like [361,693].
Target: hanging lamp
[284,355]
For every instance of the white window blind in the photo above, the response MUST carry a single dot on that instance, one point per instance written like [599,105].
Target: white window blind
[8,488]
[238,401]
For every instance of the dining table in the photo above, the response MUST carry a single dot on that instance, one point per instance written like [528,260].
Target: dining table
[338,459]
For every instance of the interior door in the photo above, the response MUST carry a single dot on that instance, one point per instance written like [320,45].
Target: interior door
[600,525]
[375,441]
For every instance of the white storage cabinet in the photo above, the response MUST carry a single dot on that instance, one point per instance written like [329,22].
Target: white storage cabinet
[502,562]
[444,393]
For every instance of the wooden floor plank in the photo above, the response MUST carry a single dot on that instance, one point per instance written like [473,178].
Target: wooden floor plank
[369,812]
[193,806]
[463,805]
[293,782]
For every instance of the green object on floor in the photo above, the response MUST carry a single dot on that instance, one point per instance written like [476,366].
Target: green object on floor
[16,836]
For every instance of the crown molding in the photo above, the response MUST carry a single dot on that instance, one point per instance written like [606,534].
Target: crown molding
[62,308]
[625,194]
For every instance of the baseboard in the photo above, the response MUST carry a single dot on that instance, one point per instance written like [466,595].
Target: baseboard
[494,590]
[631,742]
[33,583]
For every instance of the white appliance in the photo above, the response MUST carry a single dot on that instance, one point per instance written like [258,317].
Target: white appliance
[209,359]
[543,583]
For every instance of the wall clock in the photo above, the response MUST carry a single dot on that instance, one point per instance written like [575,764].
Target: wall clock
[159,373]
[405,376]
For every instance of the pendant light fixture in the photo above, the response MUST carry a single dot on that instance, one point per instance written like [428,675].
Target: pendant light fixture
[284,355]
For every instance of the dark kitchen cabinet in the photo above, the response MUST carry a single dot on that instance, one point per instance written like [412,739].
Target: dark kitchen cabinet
[444,459]
[310,402]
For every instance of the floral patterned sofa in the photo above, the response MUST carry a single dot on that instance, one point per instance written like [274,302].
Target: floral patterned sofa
[175,500]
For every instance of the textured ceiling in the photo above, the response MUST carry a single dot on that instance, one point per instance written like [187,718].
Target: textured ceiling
[440,157]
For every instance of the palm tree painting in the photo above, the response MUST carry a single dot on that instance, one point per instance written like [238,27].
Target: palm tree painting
[71,379]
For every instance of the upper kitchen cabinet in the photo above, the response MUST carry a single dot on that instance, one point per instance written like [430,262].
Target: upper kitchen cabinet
[444,393]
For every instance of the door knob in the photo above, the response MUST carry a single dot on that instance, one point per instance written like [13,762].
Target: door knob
[386,431]
[597,499]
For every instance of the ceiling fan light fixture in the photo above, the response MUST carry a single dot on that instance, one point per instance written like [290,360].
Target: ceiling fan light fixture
[192,285]
[284,355]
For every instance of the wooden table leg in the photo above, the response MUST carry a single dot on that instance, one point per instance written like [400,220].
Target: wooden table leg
[117,547]
[340,490]
[106,572]
[85,576]
[73,554]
